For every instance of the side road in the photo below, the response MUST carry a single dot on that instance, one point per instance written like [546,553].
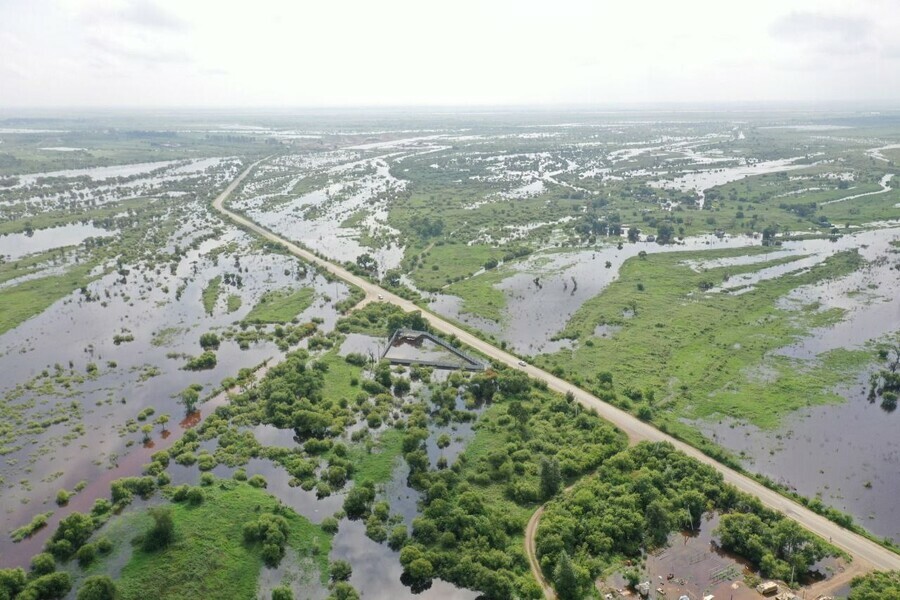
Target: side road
[866,553]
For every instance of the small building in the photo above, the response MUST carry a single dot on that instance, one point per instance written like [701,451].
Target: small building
[786,596]
[767,588]
[643,589]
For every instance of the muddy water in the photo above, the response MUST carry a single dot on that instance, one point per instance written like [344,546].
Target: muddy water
[700,567]
[700,181]
[17,245]
[848,454]
[377,569]
[536,313]
[82,332]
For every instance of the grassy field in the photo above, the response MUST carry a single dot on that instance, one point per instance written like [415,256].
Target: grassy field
[211,293]
[480,296]
[452,262]
[702,355]
[30,298]
[281,306]
[209,558]
[377,466]
[338,379]
[233,303]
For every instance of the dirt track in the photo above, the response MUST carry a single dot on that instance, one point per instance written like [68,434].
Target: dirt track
[866,553]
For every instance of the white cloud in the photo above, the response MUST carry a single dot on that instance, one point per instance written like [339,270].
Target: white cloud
[357,52]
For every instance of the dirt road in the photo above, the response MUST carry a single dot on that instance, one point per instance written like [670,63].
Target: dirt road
[866,552]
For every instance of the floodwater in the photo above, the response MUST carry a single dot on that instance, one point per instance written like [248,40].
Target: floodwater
[143,375]
[699,566]
[377,568]
[16,245]
[99,173]
[700,181]
[538,312]
[847,454]
[835,451]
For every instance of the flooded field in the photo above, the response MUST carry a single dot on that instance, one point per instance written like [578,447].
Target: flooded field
[848,456]
[112,267]
[693,565]
[17,245]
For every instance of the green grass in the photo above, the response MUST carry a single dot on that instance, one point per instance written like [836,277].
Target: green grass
[30,298]
[31,263]
[233,303]
[377,466]
[338,378]
[281,306]
[209,558]
[453,261]
[480,295]
[211,293]
[49,219]
[167,336]
[706,355]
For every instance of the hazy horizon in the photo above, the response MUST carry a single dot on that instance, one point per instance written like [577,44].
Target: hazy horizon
[160,54]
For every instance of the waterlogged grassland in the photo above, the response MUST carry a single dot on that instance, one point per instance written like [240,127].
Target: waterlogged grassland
[281,306]
[860,211]
[805,199]
[32,263]
[209,558]
[342,379]
[686,353]
[376,463]
[480,295]
[211,294]
[30,298]
[233,303]
[443,264]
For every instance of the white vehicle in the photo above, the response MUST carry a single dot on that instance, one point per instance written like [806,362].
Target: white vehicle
[380,297]
[522,363]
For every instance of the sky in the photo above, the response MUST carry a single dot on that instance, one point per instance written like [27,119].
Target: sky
[302,53]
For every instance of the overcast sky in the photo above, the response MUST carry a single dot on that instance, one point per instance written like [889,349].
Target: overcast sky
[292,53]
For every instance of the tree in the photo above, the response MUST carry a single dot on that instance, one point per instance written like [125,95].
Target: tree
[147,430]
[162,533]
[633,234]
[564,578]
[343,591]
[358,500]
[98,587]
[41,564]
[70,535]
[12,581]
[207,360]
[367,262]
[282,593]
[420,570]
[551,478]
[340,570]
[664,233]
[162,420]
[189,398]
[86,555]
[209,341]
[877,585]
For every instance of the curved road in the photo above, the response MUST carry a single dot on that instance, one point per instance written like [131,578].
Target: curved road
[862,549]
